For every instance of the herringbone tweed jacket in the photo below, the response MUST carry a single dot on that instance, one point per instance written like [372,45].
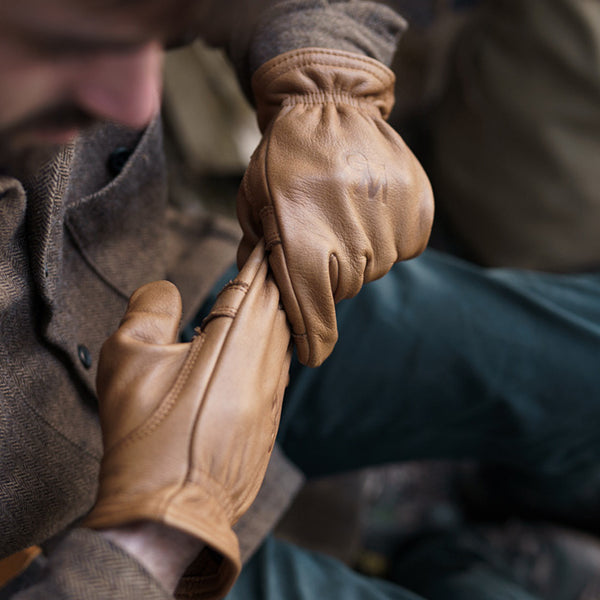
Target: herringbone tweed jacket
[75,241]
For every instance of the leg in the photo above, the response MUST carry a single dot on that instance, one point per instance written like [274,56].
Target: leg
[448,567]
[441,358]
[281,571]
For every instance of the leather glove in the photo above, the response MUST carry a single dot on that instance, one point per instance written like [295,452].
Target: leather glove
[332,187]
[188,429]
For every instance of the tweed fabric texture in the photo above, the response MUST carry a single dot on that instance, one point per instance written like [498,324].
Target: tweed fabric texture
[367,28]
[64,286]
[87,565]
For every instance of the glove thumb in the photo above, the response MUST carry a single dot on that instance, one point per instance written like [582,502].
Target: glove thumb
[153,314]
[137,351]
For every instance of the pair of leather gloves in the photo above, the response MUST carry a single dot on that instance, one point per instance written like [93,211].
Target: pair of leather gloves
[338,198]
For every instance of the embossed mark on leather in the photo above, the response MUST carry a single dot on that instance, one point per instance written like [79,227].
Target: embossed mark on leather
[372,175]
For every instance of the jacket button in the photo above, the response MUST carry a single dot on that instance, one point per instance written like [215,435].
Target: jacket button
[117,160]
[84,356]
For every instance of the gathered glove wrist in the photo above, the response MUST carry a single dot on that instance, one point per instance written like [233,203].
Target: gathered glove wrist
[332,187]
[188,428]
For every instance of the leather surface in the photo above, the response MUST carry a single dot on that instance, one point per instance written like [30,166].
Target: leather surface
[15,564]
[188,429]
[337,195]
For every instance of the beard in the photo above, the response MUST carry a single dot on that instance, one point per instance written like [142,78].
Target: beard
[21,155]
[23,162]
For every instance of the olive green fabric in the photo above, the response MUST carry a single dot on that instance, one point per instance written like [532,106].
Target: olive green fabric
[517,139]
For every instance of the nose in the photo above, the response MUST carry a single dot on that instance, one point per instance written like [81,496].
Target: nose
[121,87]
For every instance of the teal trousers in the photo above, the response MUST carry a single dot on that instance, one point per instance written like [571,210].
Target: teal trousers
[445,359]
[441,359]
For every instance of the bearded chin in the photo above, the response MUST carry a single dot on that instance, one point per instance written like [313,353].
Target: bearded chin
[24,162]
[22,153]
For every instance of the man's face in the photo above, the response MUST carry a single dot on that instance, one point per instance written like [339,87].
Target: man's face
[65,64]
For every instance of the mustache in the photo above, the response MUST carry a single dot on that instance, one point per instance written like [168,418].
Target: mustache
[59,117]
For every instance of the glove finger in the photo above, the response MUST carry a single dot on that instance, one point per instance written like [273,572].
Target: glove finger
[254,192]
[308,303]
[242,402]
[132,360]
[245,247]
[232,294]
[250,227]
[153,314]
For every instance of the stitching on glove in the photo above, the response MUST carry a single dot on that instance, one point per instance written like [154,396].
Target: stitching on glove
[379,71]
[266,211]
[274,240]
[236,284]
[299,335]
[156,418]
[271,235]
[222,311]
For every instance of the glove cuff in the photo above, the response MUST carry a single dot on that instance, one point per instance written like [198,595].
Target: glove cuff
[193,511]
[323,76]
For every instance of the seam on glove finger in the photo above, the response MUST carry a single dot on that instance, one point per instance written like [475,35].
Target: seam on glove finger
[217,313]
[274,238]
[213,375]
[225,310]
[299,335]
[268,216]
[279,242]
[270,243]
[236,284]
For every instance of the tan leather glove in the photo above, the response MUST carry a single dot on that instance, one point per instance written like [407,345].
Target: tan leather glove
[332,187]
[188,429]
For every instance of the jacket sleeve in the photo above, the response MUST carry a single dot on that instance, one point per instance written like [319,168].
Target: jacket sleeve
[366,27]
[85,565]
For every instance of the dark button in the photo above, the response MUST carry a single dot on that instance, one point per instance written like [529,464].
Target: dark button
[46,271]
[117,160]
[84,356]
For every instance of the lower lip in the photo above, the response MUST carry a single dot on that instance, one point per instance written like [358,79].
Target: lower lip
[54,136]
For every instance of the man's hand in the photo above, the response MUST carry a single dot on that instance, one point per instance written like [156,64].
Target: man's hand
[188,429]
[332,187]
